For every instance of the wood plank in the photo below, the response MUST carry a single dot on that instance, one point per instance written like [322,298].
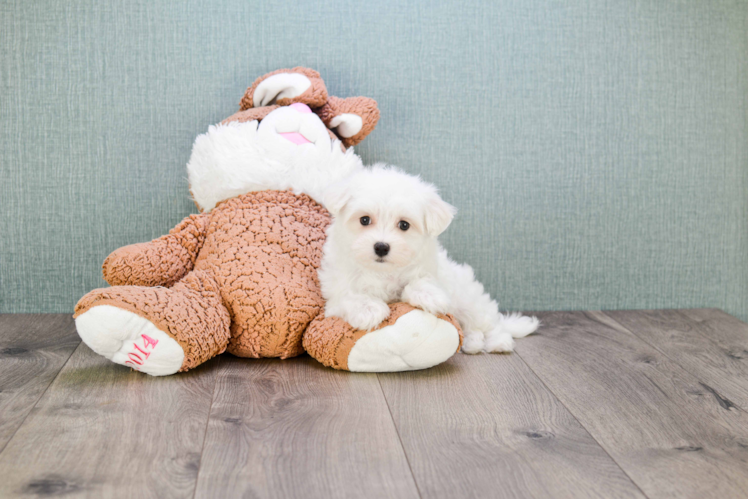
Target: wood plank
[102,430]
[727,331]
[671,433]
[486,426]
[698,341]
[33,348]
[294,428]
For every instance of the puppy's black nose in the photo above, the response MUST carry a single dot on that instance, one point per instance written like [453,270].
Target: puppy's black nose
[381,249]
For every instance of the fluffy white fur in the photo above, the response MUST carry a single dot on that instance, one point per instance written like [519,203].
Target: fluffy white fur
[236,158]
[357,283]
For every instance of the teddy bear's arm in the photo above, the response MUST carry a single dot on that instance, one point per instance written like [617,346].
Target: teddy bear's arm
[161,262]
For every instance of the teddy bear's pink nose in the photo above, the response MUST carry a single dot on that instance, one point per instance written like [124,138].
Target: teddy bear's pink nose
[301,107]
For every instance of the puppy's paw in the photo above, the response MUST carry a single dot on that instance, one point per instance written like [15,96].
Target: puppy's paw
[473,342]
[500,342]
[367,315]
[427,296]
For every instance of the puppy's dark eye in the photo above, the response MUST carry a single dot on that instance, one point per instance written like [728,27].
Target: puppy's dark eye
[403,225]
[365,220]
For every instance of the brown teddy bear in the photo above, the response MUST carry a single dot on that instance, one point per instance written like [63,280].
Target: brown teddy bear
[242,275]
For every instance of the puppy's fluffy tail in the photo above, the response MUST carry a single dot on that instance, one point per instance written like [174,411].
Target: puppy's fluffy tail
[517,325]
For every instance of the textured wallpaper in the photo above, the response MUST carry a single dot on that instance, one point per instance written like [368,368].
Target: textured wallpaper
[597,150]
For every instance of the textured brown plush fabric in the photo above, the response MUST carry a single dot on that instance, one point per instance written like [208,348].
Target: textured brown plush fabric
[253,285]
[163,261]
[314,97]
[191,312]
[250,114]
[362,106]
[264,249]
[330,340]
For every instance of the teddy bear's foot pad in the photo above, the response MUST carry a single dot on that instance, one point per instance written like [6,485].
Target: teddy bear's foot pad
[417,340]
[129,339]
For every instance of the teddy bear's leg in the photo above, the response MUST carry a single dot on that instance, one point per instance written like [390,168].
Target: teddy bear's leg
[156,330]
[272,319]
[410,339]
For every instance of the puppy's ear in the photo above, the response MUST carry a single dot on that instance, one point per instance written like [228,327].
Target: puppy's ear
[439,215]
[336,197]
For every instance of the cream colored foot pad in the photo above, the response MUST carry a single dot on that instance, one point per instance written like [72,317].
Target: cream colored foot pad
[417,340]
[128,339]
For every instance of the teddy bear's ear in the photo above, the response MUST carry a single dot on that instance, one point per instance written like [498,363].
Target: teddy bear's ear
[284,87]
[352,119]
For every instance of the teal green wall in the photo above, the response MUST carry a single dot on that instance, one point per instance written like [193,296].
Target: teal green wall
[597,150]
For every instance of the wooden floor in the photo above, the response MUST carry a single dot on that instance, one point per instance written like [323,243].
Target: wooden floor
[615,404]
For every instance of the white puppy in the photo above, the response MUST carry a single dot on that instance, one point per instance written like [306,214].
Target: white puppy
[382,247]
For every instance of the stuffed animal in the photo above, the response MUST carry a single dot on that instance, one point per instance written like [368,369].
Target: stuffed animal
[242,274]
